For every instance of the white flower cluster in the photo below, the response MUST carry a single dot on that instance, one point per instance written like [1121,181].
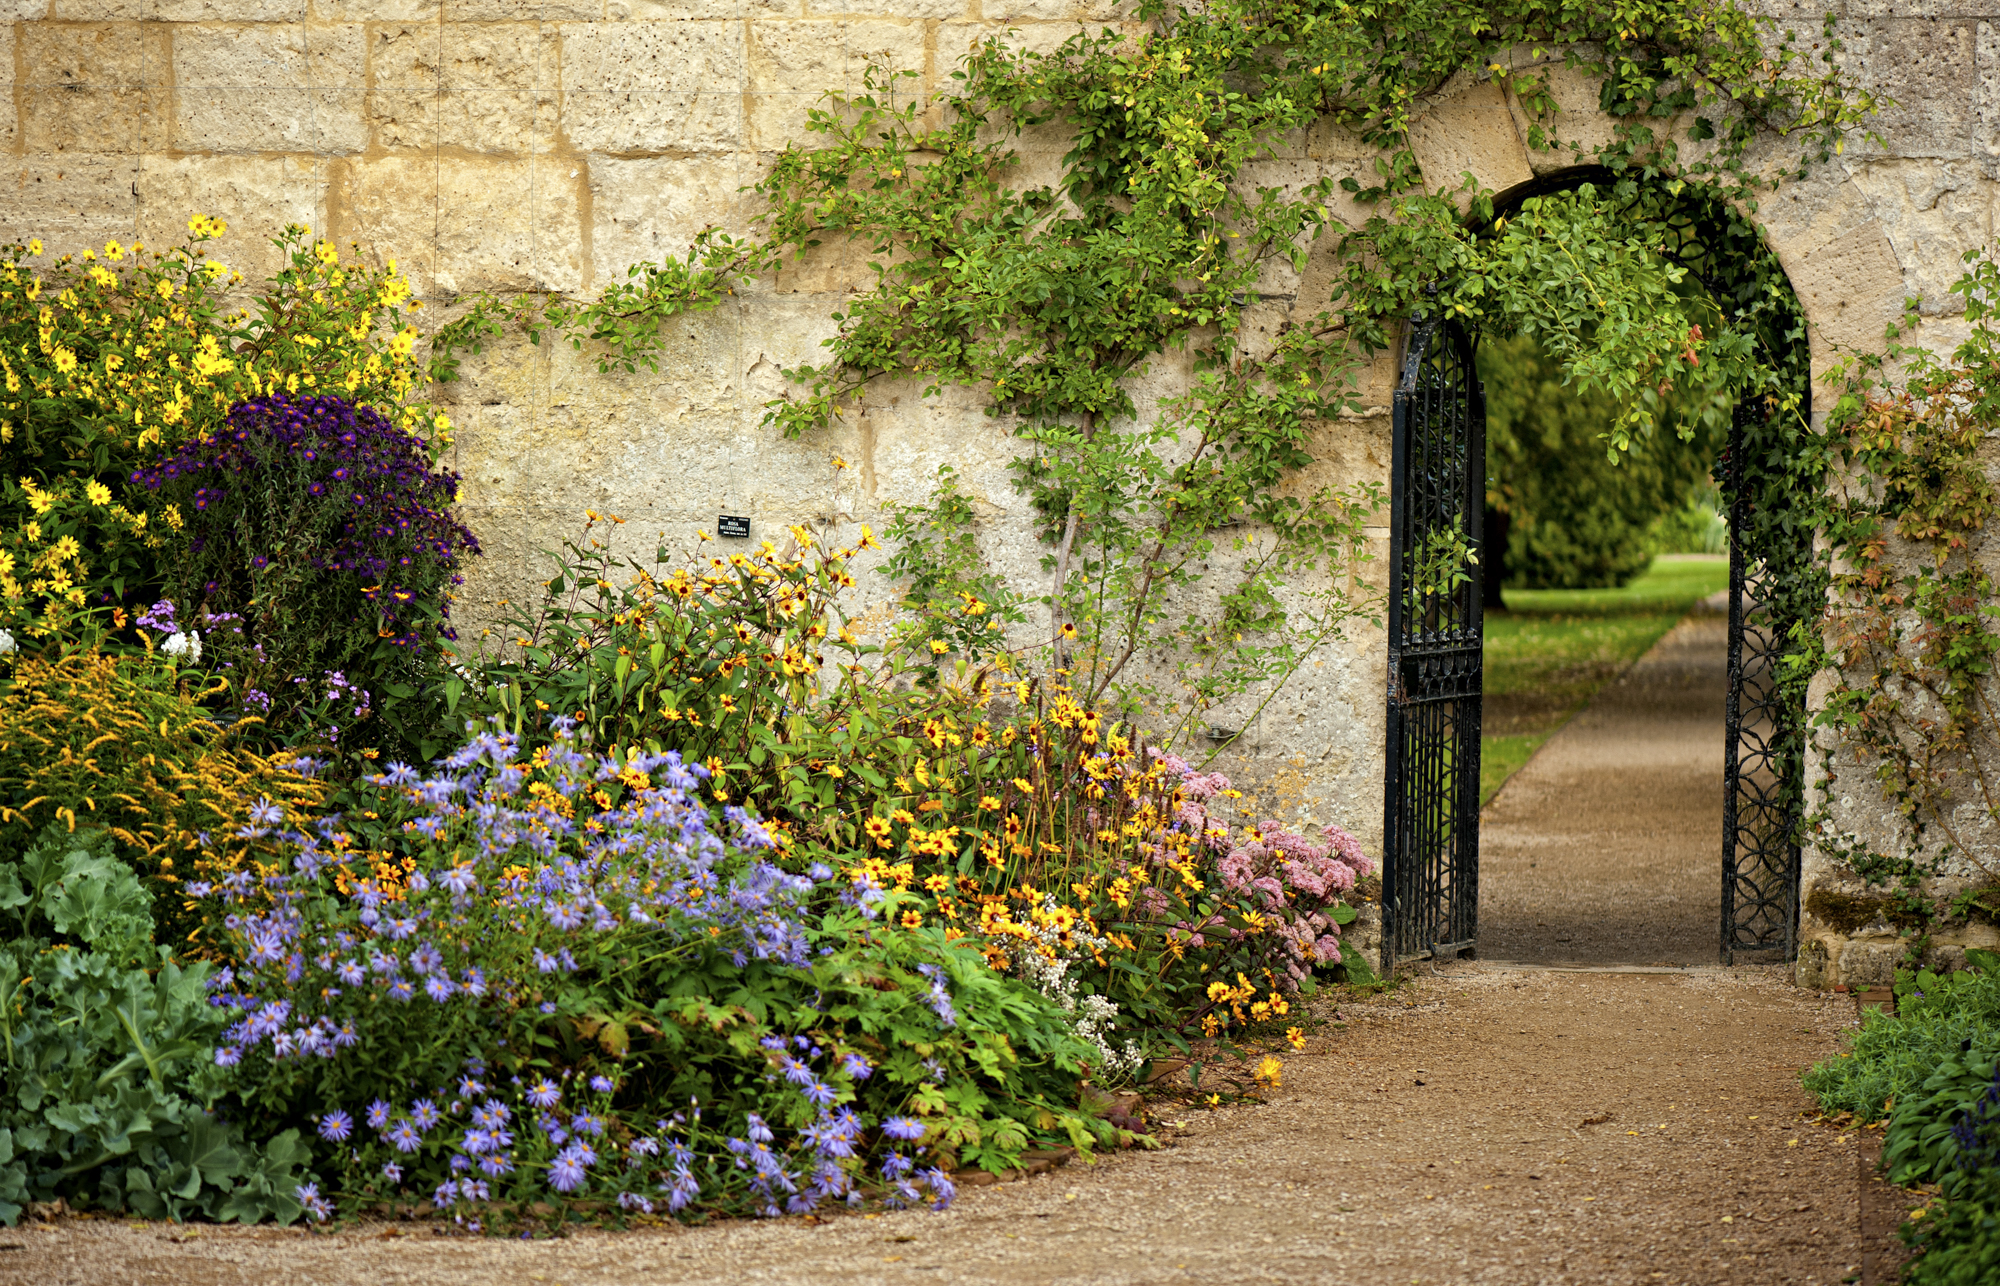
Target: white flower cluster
[183,645]
[1091,1017]
[6,642]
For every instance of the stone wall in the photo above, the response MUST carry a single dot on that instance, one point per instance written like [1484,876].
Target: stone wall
[504,145]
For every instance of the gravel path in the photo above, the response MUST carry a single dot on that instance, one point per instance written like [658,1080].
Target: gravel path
[1607,847]
[1487,1123]
[1482,1125]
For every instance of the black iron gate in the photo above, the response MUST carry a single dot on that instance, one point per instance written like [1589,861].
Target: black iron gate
[1430,866]
[1430,828]
[1764,751]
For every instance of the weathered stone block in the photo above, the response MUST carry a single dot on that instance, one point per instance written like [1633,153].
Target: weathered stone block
[1470,128]
[523,10]
[509,225]
[513,56]
[23,10]
[501,122]
[650,210]
[255,196]
[653,87]
[695,10]
[201,11]
[1851,287]
[326,122]
[1575,131]
[99,10]
[1868,964]
[462,224]
[405,56]
[389,205]
[638,123]
[97,88]
[1811,970]
[403,120]
[102,56]
[908,9]
[70,201]
[1930,67]
[378,10]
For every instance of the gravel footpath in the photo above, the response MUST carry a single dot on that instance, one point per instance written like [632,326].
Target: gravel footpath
[1480,1125]
[1607,846]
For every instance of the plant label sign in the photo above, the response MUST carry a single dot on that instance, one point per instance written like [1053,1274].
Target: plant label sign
[732,525]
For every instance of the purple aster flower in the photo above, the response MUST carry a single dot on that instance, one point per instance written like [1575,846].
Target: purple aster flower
[439,988]
[378,1114]
[602,1084]
[392,1172]
[316,1205]
[335,1126]
[404,1137]
[425,1114]
[565,1173]
[904,1128]
[544,1093]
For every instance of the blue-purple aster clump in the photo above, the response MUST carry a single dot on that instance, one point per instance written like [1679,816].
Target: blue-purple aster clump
[324,526]
[510,984]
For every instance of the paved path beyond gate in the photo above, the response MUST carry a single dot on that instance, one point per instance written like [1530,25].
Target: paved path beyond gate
[1607,847]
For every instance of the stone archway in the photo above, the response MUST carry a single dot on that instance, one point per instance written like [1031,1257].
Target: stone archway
[1850,283]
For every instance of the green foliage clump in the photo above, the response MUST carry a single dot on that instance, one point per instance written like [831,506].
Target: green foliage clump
[1957,1241]
[1579,516]
[109,1074]
[1894,1054]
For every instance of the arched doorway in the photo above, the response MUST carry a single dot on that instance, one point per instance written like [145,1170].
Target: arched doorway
[1435,617]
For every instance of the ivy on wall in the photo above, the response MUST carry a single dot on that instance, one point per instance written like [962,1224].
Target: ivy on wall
[1908,636]
[1050,294]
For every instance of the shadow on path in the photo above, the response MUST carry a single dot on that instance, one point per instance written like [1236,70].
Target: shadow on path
[1606,847]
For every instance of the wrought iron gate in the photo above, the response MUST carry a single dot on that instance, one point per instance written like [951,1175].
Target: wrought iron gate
[1430,828]
[1763,755]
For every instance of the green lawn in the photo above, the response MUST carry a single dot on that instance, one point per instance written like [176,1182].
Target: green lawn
[1551,650]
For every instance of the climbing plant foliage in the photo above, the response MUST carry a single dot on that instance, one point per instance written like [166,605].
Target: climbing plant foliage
[1049,283]
[1908,638]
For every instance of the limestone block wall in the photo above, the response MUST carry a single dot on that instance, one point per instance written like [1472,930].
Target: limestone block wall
[511,145]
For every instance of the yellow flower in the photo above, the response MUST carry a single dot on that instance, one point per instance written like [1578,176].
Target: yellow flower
[34,245]
[939,646]
[1271,1073]
[65,360]
[98,493]
[1296,1036]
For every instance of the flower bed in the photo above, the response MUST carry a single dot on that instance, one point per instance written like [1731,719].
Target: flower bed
[690,901]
